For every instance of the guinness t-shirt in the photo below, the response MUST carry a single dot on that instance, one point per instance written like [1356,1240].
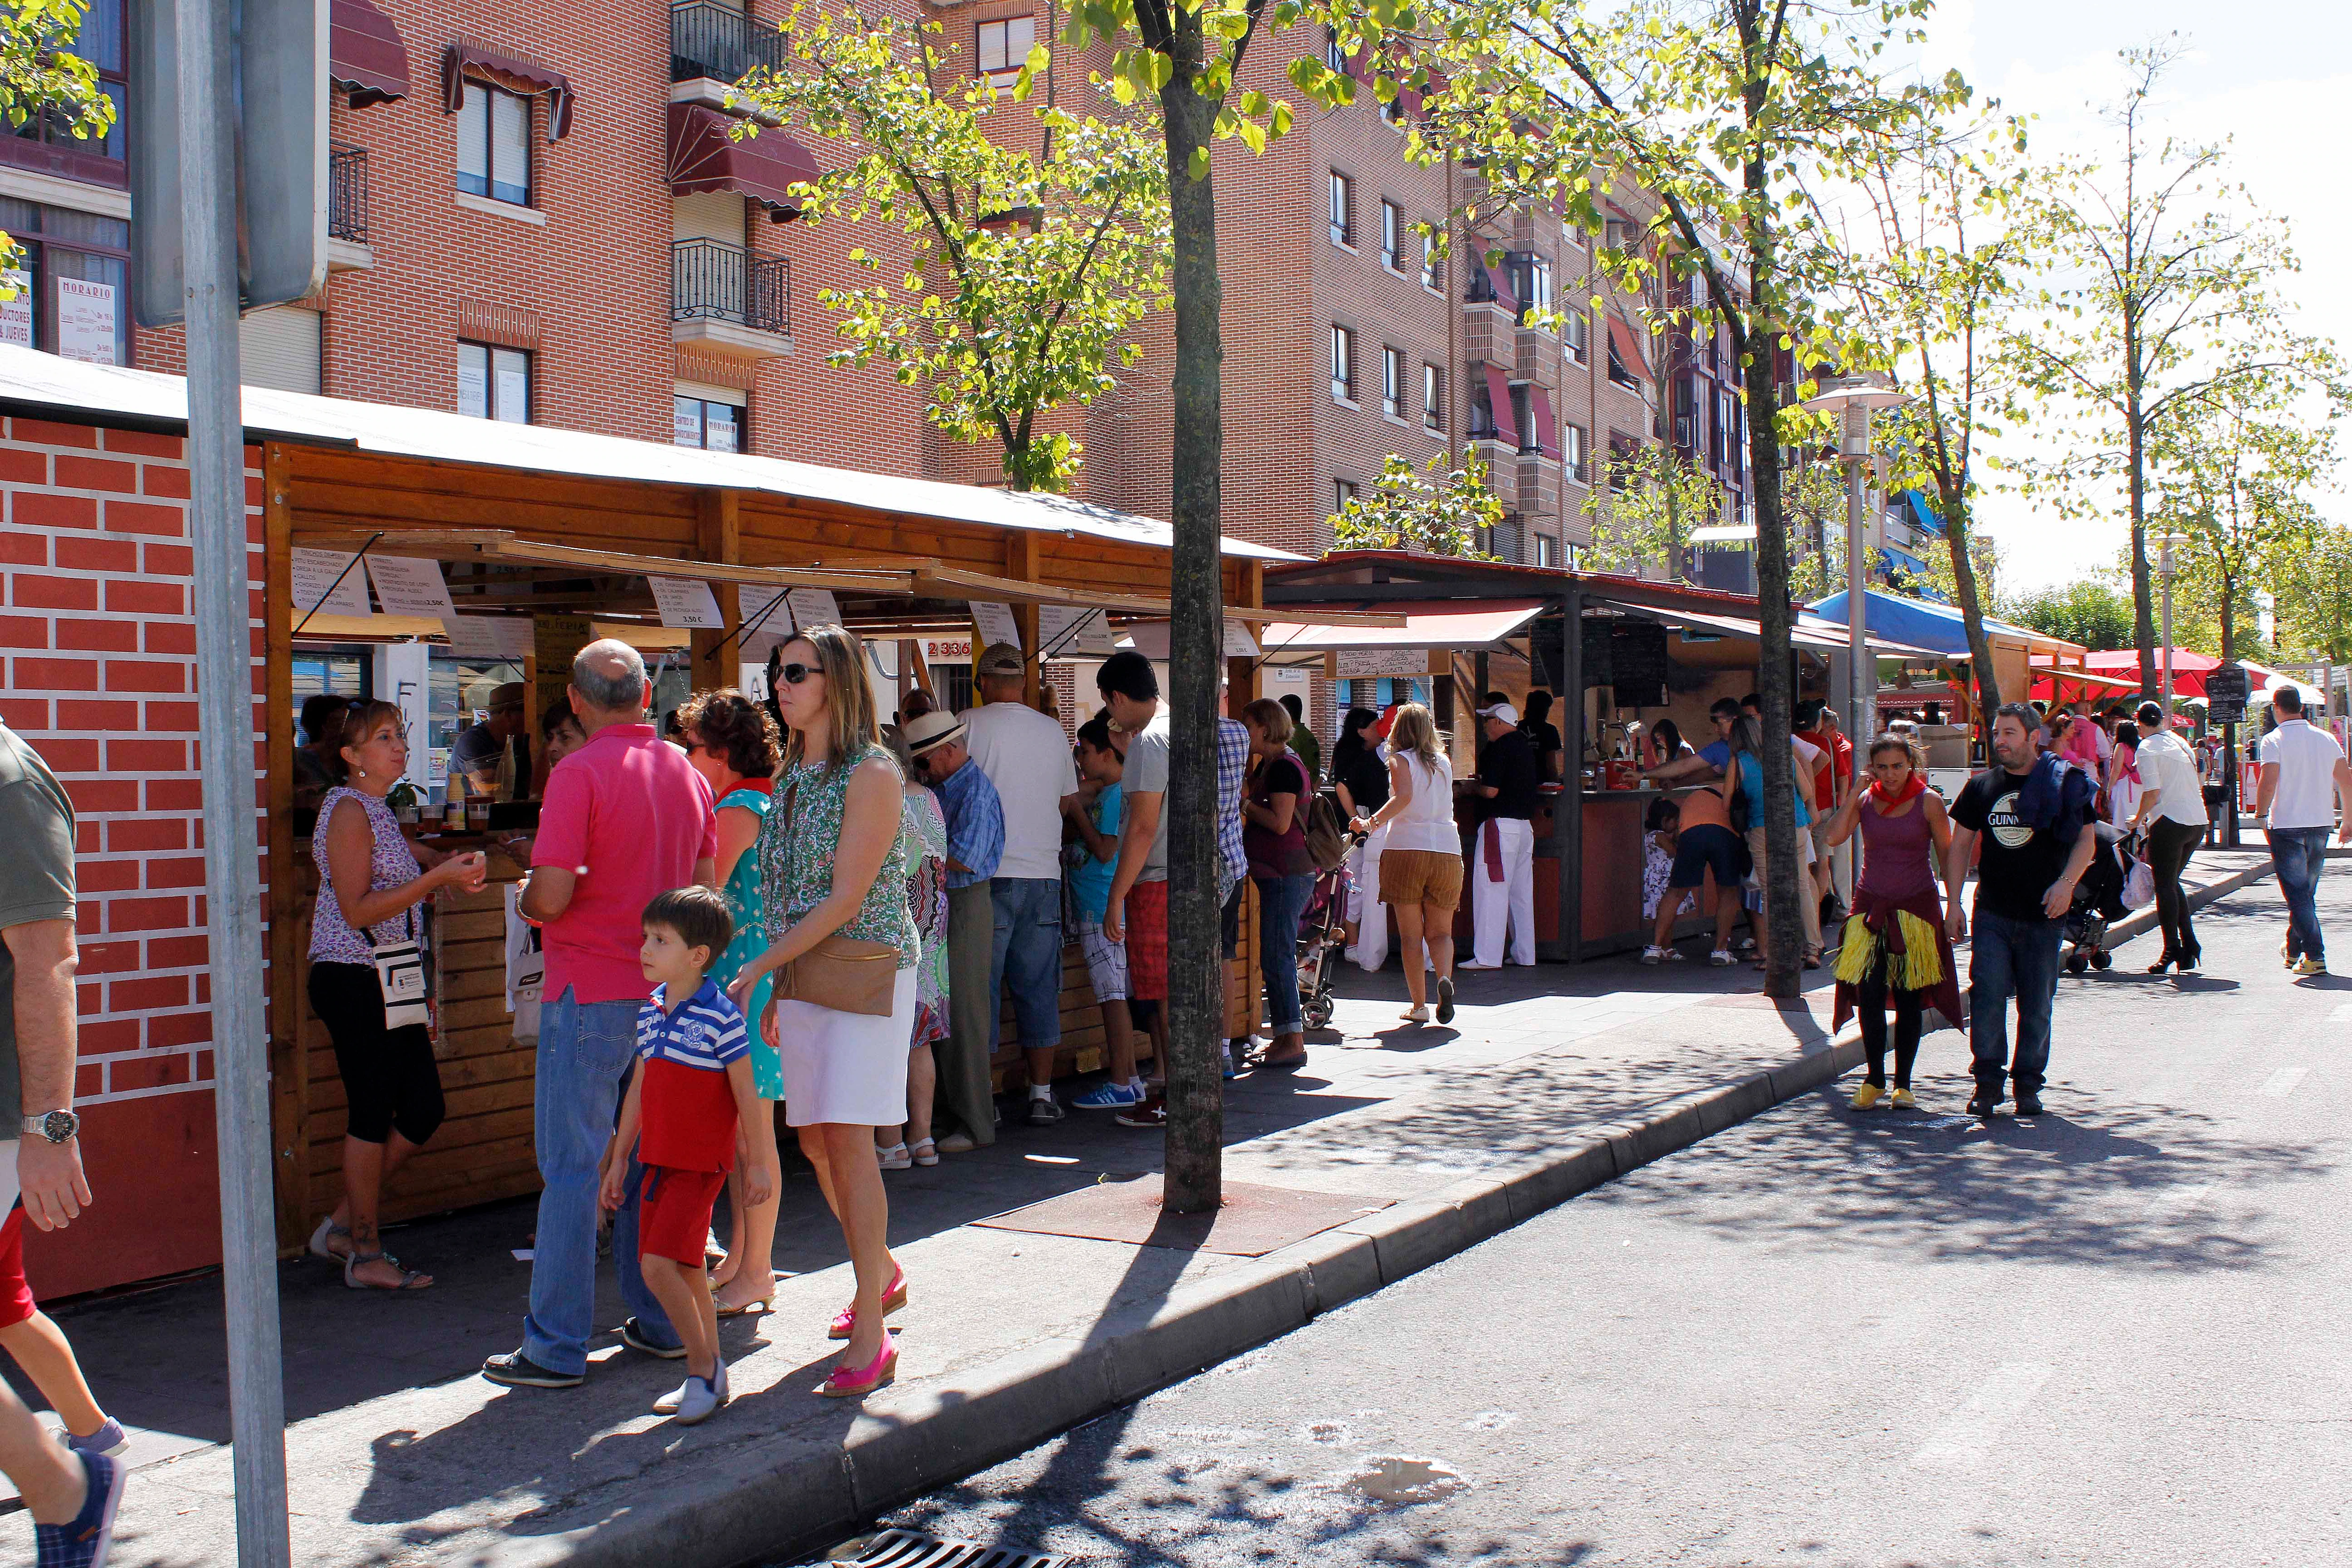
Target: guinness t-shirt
[2017,863]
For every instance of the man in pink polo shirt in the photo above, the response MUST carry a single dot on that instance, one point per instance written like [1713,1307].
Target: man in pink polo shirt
[625,818]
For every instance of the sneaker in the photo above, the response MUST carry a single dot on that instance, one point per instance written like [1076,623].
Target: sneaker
[1415,1014]
[2308,965]
[700,1399]
[82,1542]
[2029,1104]
[109,1440]
[1983,1105]
[518,1370]
[1721,958]
[1107,1097]
[634,1335]
[1868,1095]
[956,1143]
[895,1158]
[670,1403]
[1653,954]
[1230,1059]
[1903,1099]
[1445,999]
[1043,1112]
[1152,1112]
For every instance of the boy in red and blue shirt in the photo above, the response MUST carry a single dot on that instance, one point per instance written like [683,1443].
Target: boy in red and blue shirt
[691,1090]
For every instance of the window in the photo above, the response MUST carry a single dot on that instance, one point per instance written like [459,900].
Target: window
[73,287]
[1335,58]
[706,423]
[1523,419]
[1576,326]
[1547,550]
[1571,451]
[100,42]
[1531,282]
[1392,382]
[1392,111]
[1343,493]
[494,144]
[494,382]
[1482,412]
[1002,48]
[1391,236]
[1343,364]
[1433,266]
[1342,233]
[1433,397]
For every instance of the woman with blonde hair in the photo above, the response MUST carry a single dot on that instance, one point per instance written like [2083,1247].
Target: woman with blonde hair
[833,871]
[1421,868]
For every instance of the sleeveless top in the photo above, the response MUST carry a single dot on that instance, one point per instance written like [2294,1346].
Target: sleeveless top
[1897,852]
[798,842]
[1427,822]
[751,939]
[391,865]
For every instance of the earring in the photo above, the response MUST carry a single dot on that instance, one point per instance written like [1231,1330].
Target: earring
[362,772]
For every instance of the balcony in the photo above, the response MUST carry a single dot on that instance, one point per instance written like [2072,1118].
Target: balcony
[720,43]
[346,209]
[730,300]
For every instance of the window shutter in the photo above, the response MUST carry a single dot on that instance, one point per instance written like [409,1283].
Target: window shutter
[279,349]
[474,141]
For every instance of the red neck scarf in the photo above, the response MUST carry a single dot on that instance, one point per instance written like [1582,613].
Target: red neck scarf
[1913,788]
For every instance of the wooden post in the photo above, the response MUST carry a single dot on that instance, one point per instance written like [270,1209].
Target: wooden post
[1245,678]
[718,537]
[1022,562]
[289,1079]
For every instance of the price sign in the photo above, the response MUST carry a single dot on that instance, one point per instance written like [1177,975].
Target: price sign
[2226,688]
[317,588]
[995,623]
[1064,631]
[405,586]
[687,604]
[814,608]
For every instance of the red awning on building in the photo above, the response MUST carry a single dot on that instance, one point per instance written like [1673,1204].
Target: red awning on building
[1500,282]
[365,54]
[513,72]
[704,157]
[1628,346]
[1547,425]
[1498,395]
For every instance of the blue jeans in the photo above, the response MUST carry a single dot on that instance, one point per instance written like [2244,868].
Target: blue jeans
[1280,901]
[2297,855]
[1028,951]
[2012,958]
[585,1052]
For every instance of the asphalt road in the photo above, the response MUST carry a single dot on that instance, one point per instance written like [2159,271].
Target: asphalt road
[2112,1335]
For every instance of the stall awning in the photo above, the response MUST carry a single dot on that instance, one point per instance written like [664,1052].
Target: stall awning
[1547,424]
[1498,399]
[1628,345]
[365,54]
[1423,625]
[764,167]
[513,72]
[1938,627]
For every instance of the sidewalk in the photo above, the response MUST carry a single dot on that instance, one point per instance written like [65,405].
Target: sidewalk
[1396,1147]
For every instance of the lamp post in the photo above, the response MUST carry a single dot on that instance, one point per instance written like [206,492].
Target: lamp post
[1854,398]
[2165,544]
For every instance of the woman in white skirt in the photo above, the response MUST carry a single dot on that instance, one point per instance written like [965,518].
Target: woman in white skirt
[832,864]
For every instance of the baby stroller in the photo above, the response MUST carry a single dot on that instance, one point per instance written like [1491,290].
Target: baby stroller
[1322,936]
[2099,899]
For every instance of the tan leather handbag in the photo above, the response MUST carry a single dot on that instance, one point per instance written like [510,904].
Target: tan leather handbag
[843,973]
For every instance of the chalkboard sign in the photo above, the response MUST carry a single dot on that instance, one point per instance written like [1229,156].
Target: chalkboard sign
[1637,655]
[2226,687]
[1599,667]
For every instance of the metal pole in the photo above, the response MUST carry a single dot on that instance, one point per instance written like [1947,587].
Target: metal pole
[2164,570]
[1862,669]
[225,705]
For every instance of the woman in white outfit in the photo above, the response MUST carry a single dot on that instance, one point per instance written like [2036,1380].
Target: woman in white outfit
[1421,865]
[1360,777]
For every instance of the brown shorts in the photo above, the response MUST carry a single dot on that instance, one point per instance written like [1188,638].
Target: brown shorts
[1420,877]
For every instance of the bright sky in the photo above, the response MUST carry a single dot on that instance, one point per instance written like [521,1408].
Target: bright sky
[2270,77]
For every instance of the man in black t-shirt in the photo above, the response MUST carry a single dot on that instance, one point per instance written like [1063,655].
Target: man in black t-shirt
[2032,814]
[1502,859]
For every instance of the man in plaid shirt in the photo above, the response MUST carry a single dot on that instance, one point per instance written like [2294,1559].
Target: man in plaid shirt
[1233,868]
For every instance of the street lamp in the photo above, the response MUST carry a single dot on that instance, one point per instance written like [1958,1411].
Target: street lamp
[2166,542]
[1854,398]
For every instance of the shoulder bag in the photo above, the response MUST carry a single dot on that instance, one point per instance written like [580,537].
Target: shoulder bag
[843,973]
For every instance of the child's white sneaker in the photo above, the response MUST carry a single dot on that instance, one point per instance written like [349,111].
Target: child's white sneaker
[679,1400]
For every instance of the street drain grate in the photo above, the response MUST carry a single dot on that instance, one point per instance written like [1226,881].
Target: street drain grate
[913,1549]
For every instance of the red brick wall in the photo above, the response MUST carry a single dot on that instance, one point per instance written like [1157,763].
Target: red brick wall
[100,641]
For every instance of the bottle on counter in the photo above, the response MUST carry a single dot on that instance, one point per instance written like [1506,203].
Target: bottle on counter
[453,811]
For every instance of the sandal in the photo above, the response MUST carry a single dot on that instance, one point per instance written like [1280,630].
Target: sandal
[1263,1062]
[410,1279]
[323,1240]
[758,1307]
[924,1152]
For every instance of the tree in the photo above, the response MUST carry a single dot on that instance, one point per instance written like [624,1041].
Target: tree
[1441,515]
[1812,510]
[41,80]
[1643,509]
[1028,272]
[2314,598]
[1744,117]
[2097,615]
[2166,295]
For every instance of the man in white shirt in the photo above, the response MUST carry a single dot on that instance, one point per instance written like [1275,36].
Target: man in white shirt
[1028,757]
[2171,807]
[2305,777]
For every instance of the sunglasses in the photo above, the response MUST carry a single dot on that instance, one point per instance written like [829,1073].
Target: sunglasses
[793,673]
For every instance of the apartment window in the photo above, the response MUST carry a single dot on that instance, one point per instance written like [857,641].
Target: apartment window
[1002,48]
[1433,266]
[706,423]
[1523,420]
[73,287]
[1392,382]
[1392,111]
[1547,550]
[1482,412]
[494,144]
[494,382]
[1343,364]
[1391,236]
[101,42]
[1342,231]
[1433,397]
[1343,493]
[1571,451]
[1577,329]
[1335,58]
[1531,282]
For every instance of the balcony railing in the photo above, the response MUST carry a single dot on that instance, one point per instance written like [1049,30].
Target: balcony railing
[347,193]
[712,280]
[724,42]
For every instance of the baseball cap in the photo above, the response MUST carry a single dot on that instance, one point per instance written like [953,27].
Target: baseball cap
[509,695]
[1000,658]
[931,730]
[1503,711]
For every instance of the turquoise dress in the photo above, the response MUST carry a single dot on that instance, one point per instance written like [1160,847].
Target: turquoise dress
[742,895]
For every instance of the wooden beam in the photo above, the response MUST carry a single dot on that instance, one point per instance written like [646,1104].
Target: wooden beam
[1245,678]
[289,1086]
[718,537]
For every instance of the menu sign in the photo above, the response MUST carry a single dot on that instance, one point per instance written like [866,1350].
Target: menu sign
[405,586]
[317,589]
[86,320]
[995,623]
[687,604]
[1065,631]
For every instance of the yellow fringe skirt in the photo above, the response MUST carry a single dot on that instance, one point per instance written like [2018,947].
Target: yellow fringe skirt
[1916,964]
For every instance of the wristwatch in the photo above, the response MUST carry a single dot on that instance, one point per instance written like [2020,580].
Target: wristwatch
[57,1126]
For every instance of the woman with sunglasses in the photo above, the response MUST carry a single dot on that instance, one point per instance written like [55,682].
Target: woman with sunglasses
[832,862]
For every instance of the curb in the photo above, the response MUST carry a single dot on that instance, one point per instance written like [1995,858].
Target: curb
[960,1424]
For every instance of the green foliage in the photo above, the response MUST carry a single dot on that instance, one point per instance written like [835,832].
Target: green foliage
[1812,510]
[2097,615]
[1030,270]
[38,74]
[1435,511]
[1643,509]
[2314,588]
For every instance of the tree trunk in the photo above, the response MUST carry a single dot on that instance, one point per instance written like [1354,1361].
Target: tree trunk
[2229,617]
[2143,612]
[1195,1143]
[1782,920]
[1964,583]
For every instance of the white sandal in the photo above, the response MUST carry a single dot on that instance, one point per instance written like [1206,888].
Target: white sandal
[895,1158]
[323,1240]
[1415,1014]
[925,1151]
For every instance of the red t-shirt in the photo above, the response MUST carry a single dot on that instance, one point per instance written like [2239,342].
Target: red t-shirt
[631,808]
[1837,762]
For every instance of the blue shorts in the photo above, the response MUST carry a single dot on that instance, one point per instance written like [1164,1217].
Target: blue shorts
[1703,848]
